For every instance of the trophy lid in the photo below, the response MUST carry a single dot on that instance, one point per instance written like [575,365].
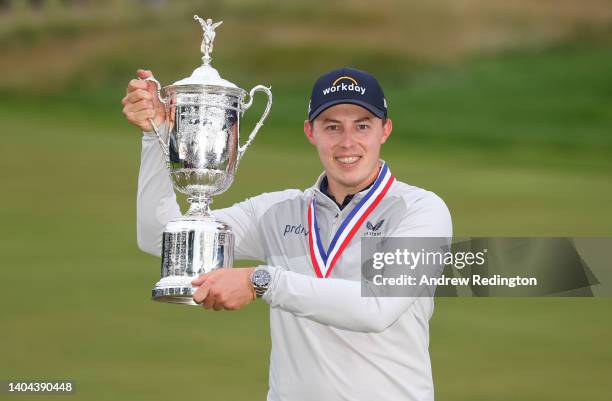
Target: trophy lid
[206,74]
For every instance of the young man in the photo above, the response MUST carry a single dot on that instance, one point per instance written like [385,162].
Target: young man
[328,342]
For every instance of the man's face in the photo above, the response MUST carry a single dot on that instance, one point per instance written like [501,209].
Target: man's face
[348,139]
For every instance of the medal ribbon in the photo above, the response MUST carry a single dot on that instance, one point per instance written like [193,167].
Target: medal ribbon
[323,262]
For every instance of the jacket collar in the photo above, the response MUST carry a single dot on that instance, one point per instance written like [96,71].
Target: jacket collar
[325,200]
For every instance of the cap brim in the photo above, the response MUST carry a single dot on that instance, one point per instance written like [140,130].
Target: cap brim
[372,109]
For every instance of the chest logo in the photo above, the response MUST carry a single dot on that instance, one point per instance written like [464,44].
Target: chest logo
[373,229]
[299,230]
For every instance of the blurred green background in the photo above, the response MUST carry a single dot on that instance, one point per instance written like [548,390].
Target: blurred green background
[502,108]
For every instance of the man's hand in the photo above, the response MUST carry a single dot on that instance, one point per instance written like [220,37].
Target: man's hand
[141,103]
[227,288]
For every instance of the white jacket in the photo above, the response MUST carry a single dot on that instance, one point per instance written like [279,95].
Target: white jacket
[328,342]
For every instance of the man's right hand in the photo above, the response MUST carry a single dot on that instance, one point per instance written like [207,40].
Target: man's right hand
[141,103]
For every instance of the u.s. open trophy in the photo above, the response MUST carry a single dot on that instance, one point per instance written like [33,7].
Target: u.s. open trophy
[200,145]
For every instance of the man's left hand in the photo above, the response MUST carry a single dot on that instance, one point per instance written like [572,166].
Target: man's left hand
[224,289]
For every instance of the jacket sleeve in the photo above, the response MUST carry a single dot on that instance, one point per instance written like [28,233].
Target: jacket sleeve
[338,302]
[156,205]
[155,200]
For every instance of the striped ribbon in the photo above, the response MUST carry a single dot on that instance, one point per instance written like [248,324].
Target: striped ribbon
[324,261]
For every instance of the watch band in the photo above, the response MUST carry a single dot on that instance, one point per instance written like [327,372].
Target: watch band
[259,291]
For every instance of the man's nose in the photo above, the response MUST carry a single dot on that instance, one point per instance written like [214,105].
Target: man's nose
[347,139]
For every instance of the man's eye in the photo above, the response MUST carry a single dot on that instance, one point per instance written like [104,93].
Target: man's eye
[363,126]
[331,128]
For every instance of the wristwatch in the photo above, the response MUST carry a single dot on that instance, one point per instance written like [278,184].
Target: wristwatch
[260,279]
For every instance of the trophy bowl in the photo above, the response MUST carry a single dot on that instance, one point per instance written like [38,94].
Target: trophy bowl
[203,127]
[200,143]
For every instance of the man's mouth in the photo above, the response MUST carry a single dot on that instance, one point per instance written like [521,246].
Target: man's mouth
[348,159]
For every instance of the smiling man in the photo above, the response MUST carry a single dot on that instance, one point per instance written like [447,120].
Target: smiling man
[328,342]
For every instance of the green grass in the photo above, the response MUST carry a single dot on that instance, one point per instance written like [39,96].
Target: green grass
[518,144]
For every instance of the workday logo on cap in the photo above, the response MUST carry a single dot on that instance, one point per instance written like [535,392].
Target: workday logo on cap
[347,85]
[344,83]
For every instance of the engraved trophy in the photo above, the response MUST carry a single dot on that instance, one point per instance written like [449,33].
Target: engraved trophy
[200,144]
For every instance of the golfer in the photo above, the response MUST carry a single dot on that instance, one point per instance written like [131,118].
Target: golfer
[328,342]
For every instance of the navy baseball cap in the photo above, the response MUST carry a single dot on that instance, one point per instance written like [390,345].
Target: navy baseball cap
[347,85]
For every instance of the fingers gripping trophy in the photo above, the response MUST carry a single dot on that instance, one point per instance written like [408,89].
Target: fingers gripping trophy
[200,145]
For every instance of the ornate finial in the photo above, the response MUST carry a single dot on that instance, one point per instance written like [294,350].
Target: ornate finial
[209,36]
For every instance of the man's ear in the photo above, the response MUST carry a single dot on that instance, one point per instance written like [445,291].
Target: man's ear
[387,128]
[308,126]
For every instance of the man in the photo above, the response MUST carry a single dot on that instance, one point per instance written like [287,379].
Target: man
[328,342]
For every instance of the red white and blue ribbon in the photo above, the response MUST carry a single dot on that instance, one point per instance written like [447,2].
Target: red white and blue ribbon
[323,261]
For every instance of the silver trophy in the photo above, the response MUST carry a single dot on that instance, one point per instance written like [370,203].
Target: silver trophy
[200,145]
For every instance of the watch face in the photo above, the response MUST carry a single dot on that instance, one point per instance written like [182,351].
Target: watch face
[261,278]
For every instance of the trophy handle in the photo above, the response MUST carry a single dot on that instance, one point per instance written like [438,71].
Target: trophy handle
[162,143]
[246,106]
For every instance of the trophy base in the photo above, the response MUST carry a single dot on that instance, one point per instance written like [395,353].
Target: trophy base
[174,295]
[191,246]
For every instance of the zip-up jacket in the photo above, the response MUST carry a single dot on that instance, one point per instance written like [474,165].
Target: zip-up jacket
[328,342]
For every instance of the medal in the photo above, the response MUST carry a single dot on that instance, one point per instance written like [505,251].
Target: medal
[324,261]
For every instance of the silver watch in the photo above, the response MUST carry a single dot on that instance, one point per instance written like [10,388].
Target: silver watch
[260,279]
